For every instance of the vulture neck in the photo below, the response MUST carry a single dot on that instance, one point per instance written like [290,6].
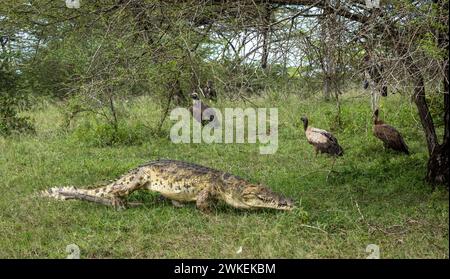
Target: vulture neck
[376,121]
[305,124]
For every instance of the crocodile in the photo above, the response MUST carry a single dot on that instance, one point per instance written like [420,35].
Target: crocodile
[181,182]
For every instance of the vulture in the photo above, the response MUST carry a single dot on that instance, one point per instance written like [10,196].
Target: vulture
[366,84]
[323,141]
[388,135]
[209,91]
[198,111]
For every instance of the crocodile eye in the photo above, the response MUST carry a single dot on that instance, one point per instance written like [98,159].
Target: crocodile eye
[263,198]
[248,196]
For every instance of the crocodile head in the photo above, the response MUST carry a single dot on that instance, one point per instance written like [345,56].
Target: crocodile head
[258,196]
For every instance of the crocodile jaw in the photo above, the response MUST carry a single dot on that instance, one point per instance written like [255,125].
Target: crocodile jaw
[258,196]
[279,205]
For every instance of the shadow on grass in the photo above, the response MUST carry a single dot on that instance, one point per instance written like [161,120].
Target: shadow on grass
[149,201]
[382,169]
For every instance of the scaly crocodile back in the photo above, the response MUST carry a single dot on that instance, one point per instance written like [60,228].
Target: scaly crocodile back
[164,176]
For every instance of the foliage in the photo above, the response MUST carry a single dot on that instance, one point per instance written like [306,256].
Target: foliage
[11,100]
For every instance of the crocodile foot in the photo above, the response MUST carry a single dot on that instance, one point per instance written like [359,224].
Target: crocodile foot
[177,204]
[119,204]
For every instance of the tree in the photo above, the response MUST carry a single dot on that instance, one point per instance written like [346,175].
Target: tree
[175,47]
[400,27]
[12,98]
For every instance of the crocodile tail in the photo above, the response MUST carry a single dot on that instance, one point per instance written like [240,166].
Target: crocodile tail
[70,192]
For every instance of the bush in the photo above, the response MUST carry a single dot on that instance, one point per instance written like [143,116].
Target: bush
[10,122]
[100,134]
[11,100]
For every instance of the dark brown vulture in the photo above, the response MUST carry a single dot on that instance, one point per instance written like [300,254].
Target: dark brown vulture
[198,111]
[388,135]
[209,91]
[323,141]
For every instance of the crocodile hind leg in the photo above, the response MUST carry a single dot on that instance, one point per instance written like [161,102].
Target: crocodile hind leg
[122,188]
[114,194]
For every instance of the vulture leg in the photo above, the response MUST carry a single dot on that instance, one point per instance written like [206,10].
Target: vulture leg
[331,169]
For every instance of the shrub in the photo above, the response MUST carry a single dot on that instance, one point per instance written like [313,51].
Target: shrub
[11,101]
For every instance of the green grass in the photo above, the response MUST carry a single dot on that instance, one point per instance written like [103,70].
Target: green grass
[375,196]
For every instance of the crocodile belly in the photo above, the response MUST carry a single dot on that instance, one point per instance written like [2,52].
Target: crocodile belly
[179,191]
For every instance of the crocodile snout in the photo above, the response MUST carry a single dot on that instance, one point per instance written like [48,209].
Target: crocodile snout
[286,203]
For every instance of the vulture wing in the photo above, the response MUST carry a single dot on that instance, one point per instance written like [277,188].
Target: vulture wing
[330,137]
[324,141]
[324,135]
[316,136]
[391,137]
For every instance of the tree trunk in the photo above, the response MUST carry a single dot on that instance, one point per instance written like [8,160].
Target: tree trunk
[424,111]
[114,121]
[325,56]
[330,43]
[438,168]
[266,35]
[326,87]
[438,165]
[446,105]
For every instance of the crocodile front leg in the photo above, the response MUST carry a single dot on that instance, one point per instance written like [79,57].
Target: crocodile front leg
[204,200]
[177,203]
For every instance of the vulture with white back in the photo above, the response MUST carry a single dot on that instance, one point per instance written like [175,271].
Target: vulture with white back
[322,141]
